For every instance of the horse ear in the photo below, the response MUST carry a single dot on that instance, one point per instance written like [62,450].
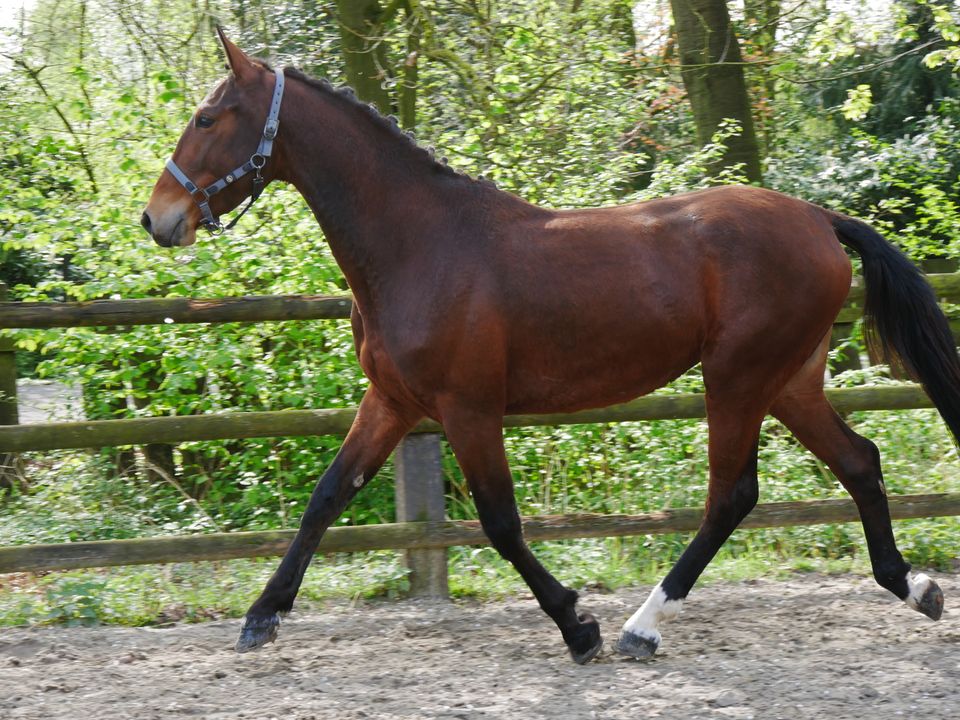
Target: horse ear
[240,64]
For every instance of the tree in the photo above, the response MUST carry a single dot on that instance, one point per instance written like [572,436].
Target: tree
[712,71]
[364,54]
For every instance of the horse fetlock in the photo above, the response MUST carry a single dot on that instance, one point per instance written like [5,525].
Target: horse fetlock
[257,632]
[925,596]
[895,577]
[640,645]
[639,637]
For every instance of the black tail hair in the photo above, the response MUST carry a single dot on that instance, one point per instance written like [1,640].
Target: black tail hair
[903,321]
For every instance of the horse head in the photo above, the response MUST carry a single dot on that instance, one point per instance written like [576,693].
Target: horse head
[212,169]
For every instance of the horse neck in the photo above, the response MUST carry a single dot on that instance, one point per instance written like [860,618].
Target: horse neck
[382,203]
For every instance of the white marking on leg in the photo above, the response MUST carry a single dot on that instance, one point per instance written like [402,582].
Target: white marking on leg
[655,610]
[358,481]
[917,587]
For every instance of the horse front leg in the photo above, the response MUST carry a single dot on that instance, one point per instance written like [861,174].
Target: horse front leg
[376,430]
[477,442]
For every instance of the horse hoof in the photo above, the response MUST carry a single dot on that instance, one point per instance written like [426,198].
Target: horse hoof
[257,632]
[588,636]
[636,646]
[926,597]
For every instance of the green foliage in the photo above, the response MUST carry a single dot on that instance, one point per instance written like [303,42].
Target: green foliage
[858,102]
[75,602]
[190,592]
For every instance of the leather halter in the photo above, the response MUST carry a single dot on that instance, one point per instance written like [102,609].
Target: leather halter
[254,164]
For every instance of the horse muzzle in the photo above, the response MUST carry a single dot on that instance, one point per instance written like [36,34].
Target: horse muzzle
[171,231]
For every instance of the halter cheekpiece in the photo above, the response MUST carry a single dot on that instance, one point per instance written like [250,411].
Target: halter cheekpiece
[254,164]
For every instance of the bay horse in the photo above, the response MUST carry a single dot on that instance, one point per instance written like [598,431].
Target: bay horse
[471,303]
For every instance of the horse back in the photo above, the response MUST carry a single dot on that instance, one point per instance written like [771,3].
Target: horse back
[607,304]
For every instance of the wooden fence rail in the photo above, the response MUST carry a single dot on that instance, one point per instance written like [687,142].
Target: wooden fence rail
[286,423]
[166,311]
[429,535]
[260,308]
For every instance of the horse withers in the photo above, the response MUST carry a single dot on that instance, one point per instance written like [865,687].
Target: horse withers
[471,303]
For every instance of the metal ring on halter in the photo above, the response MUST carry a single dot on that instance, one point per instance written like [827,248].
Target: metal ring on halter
[258,165]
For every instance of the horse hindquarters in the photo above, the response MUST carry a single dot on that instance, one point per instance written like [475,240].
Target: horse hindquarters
[764,326]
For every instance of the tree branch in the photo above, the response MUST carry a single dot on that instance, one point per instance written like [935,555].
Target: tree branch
[34,75]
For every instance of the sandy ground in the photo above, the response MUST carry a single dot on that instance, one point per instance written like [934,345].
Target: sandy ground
[815,646]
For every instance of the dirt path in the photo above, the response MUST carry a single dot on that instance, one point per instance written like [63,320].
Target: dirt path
[815,646]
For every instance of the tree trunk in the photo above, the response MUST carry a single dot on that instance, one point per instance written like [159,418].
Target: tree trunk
[159,462]
[764,17]
[364,58]
[712,71]
[411,74]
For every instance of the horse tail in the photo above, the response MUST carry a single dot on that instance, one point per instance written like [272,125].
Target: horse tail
[903,322]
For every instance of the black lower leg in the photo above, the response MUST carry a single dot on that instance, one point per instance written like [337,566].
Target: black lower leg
[724,512]
[477,440]
[329,499]
[860,474]
[376,430]
[581,632]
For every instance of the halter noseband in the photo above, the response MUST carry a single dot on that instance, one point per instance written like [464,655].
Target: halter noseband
[254,164]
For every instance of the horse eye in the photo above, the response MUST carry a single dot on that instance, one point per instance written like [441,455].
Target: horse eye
[204,121]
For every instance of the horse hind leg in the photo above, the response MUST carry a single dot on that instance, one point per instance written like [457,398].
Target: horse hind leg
[804,410]
[739,395]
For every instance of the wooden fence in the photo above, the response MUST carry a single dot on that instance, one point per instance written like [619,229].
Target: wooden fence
[421,529]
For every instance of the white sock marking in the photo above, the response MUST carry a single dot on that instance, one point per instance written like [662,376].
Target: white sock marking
[917,586]
[655,610]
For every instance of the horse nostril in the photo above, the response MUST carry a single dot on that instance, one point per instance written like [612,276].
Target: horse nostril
[145,221]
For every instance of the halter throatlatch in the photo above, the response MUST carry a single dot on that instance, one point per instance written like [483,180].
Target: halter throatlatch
[201,195]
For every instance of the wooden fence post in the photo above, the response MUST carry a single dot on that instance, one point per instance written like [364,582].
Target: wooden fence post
[419,495]
[9,413]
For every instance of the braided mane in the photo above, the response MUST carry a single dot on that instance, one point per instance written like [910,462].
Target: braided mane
[388,123]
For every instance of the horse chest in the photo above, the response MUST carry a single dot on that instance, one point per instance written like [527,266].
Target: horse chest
[382,368]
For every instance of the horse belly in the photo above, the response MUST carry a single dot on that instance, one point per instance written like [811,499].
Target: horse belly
[598,362]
